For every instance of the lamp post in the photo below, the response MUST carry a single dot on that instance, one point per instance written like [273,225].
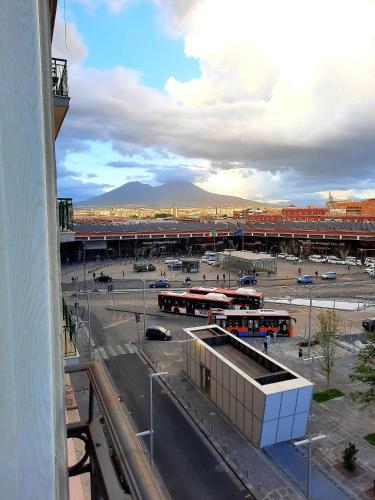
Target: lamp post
[152,376]
[309,337]
[84,265]
[308,441]
[89,321]
[144,308]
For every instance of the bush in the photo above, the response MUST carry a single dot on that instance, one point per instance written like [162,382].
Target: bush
[350,456]
[304,343]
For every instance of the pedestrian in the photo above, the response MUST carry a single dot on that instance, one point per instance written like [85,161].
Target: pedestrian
[93,275]
[316,273]
[254,271]
[72,279]
[217,277]
[269,274]
[299,270]
[223,277]
[265,345]
[204,277]
[123,273]
[348,267]
[161,273]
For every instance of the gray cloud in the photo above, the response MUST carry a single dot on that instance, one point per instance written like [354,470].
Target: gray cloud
[74,188]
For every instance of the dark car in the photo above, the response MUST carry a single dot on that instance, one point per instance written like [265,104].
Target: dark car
[103,278]
[158,333]
[369,324]
[161,283]
[247,280]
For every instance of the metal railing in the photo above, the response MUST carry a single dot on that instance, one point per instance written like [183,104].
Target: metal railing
[59,77]
[65,213]
[113,454]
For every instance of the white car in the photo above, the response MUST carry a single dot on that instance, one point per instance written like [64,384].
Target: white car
[282,255]
[331,259]
[351,262]
[313,258]
[291,258]
[369,261]
[370,270]
[317,260]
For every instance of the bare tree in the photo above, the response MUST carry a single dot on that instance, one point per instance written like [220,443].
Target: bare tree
[329,325]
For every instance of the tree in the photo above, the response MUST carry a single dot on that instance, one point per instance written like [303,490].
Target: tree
[329,324]
[364,372]
[350,457]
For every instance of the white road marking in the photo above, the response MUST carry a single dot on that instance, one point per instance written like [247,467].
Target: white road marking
[115,324]
[111,350]
[103,352]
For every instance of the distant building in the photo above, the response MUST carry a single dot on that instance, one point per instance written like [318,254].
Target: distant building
[362,207]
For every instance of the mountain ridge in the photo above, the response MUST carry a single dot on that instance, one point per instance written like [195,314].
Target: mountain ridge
[178,193]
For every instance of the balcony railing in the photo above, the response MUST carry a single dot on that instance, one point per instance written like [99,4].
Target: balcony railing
[65,212]
[59,77]
[113,455]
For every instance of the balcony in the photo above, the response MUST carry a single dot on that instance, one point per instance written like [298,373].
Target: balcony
[60,91]
[113,454]
[65,214]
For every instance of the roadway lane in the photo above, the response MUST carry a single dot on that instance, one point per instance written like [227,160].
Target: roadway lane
[189,468]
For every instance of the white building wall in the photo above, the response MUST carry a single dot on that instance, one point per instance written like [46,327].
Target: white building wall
[33,444]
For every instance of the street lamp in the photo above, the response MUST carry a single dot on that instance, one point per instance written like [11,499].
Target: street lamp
[144,307]
[308,441]
[152,375]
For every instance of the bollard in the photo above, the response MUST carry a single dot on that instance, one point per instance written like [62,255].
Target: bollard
[196,412]
[210,428]
[260,488]
[247,474]
[236,459]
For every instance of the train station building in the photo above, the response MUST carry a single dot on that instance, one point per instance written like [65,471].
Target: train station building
[265,400]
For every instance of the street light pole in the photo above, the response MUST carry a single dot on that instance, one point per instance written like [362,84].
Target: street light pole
[84,265]
[89,322]
[152,375]
[144,309]
[308,441]
[309,338]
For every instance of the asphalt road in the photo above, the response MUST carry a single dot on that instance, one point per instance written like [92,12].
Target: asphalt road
[189,468]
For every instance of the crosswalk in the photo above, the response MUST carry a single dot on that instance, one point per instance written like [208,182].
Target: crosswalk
[110,351]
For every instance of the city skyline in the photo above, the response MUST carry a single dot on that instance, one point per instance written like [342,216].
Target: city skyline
[255,99]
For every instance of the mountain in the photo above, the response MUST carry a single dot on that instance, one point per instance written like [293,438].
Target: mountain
[179,193]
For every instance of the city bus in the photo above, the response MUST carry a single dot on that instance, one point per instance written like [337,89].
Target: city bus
[243,298]
[191,303]
[253,323]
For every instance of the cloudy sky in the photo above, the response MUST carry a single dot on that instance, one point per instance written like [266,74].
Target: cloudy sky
[264,99]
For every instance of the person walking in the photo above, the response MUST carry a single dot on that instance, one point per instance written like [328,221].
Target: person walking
[223,277]
[269,274]
[204,277]
[93,275]
[265,345]
[316,274]
[123,273]
[217,277]
[299,270]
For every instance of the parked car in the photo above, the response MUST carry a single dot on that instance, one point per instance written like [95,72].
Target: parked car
[143,266]
[170,260]
[281,255]
[331,259]
[103,278]
[370,271]
[369,324]
[161,283]
[247,280]
[329,275]
[369,260]
[314,256]
[158,333]
[305,279]
[291,258]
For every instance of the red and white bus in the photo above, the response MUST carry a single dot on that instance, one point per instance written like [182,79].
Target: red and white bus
[243,298]
[191,303]
[256,323]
